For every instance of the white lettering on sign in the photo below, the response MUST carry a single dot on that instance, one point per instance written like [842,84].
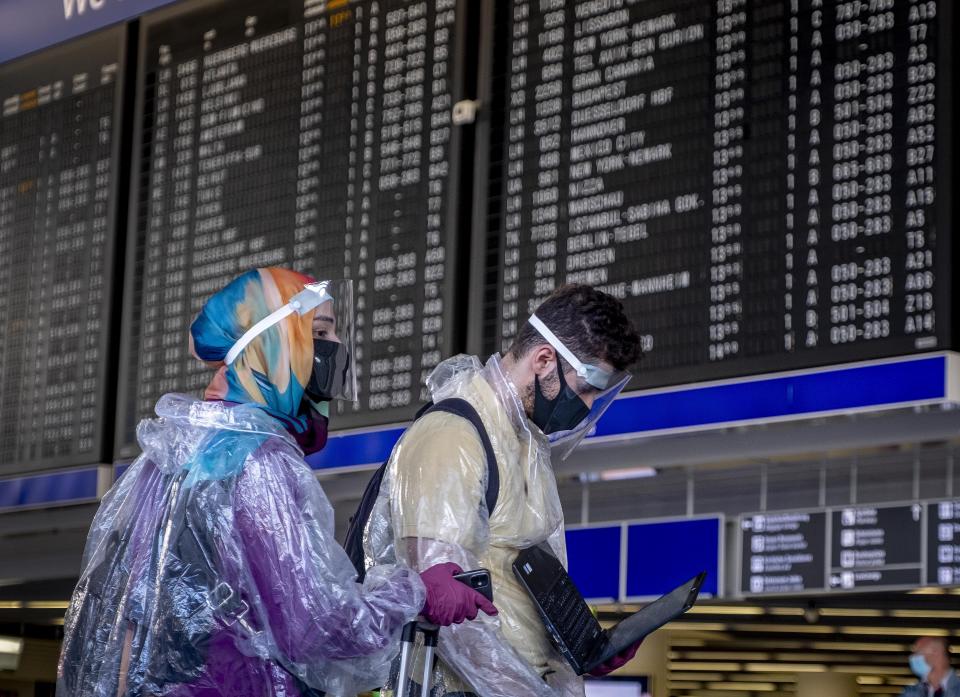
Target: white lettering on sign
[80,6]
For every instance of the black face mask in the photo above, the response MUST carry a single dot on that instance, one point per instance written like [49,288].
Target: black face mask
[561,413]
[331,361]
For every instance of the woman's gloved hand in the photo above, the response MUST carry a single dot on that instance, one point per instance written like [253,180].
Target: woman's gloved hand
[448,600]
[618,661]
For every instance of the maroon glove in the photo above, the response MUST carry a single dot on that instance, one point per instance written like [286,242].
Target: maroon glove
[618,661]
[448,600]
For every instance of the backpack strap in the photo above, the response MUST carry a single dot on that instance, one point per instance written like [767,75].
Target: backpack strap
[463,408]
[353,542]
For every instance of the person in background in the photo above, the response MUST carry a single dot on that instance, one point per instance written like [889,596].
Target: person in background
[562,371]
[930,662]
[211,567]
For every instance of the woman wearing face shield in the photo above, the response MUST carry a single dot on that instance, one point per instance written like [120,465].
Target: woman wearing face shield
[211,567]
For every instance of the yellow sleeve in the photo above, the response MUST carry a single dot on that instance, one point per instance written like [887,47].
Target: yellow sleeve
[439,483]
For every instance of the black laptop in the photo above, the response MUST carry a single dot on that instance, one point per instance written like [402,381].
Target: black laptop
[572,626]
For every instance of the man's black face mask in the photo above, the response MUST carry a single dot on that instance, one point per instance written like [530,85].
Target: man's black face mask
[561,413]
[331,362]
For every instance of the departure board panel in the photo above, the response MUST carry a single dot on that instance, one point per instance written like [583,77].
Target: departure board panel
[59,128]
[311,135]
[760,181]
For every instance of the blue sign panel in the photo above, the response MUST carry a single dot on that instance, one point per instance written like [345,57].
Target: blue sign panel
[827,390]
[355,449]
[662,555]
[593,556]
[48,489]
[29,25]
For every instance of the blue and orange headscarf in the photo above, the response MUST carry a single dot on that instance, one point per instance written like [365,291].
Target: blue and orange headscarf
[273,369]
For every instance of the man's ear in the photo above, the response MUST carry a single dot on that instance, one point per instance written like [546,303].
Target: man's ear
[543,360]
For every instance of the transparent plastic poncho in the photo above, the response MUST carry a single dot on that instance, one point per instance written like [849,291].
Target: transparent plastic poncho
[211,569]
[432,509]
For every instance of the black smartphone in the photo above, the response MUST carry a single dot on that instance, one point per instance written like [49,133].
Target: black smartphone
[479,580]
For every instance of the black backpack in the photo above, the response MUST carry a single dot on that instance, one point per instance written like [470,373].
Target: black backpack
[353,543]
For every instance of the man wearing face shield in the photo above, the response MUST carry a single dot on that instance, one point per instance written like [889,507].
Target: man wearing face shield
[211,567]
[563,370]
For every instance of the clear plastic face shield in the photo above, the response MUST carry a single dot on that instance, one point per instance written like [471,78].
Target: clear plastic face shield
[333,375]
[595,386]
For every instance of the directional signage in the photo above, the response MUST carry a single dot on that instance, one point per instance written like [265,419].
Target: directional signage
[943,543]
[876,547]
[783,552]
[851,548]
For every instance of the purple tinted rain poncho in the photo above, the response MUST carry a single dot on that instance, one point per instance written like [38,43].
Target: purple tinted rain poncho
[211,567]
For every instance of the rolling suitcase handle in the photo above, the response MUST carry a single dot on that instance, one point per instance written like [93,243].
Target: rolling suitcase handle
[407,640]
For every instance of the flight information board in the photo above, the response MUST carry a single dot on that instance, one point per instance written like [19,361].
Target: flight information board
[59,129]
[312,135]
[759,181]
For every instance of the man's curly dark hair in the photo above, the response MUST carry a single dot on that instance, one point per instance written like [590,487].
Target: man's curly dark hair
[589,322]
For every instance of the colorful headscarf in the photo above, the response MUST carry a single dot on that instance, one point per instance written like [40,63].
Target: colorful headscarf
[271,372]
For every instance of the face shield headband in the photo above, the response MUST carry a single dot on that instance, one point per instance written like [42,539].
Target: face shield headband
[312,296]
[577,419]
[595,376]
[332,376]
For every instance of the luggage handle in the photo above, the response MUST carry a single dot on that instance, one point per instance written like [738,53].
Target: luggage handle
[431,633]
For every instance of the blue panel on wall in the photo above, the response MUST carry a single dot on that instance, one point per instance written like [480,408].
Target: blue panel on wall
[355,449]
[594,561]
[825,390]
[48,489]
[661,556]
